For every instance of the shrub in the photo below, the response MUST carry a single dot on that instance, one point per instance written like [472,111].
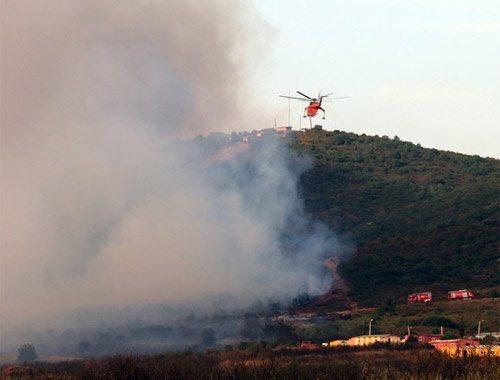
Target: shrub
[488,339]
[26,353]
[493,294]
[448,335]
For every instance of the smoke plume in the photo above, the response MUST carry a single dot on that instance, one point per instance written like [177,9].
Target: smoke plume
[100,203]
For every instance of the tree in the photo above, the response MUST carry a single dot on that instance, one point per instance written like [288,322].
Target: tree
[493,294]
[388,307]
[26,353]
[280,330]
[84,346]
[448,335]
[488,339]
[251,326]
[208,337]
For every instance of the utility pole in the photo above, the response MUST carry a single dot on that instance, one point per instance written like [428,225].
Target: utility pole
[409,331]
[370,327]
[479,328]
[289,108]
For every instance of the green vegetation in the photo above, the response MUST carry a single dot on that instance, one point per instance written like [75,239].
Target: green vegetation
[420,219]
[456,318]
[488,340]
[26,353]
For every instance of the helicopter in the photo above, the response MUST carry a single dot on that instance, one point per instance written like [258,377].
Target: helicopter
[314,103]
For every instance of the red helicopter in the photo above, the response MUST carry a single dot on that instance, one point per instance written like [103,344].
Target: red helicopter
[314,103]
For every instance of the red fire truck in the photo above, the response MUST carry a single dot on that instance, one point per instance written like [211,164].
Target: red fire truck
[464,294]
[423,297]
[308,344]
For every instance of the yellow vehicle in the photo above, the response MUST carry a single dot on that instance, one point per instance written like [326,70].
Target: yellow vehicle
[335,343]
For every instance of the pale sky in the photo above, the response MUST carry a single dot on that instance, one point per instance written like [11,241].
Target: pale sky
[427,71]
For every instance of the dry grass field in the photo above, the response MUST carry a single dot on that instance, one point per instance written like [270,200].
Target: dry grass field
[345,363]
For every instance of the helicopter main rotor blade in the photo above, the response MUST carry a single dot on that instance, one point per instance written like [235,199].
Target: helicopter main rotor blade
[308,97]
[330,100]
[292,97]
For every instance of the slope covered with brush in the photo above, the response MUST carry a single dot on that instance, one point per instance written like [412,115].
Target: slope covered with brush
[419,219]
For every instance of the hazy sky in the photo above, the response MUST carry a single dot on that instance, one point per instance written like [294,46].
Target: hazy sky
[426,71]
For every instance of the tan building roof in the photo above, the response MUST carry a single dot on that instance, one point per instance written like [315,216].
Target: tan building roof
[364,340]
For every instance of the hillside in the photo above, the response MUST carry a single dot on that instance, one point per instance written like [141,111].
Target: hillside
[420,219]
[411,219]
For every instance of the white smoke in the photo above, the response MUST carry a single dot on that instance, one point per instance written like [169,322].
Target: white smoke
[100,205]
